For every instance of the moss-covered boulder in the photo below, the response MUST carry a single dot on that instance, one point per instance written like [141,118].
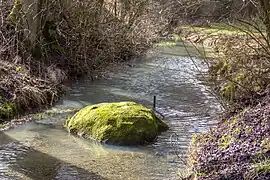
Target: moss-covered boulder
[121,123]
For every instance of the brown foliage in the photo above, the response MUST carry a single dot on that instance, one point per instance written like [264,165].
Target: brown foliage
[84,37]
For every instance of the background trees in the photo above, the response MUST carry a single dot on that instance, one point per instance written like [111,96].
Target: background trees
[116,29]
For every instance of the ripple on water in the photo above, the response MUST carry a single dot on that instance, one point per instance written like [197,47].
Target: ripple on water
[39,150]
[9,153]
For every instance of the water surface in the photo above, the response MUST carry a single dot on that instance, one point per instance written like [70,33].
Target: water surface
[44,150]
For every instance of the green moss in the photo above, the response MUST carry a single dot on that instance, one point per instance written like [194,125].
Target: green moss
[2,126]
[7,110]
[122,123]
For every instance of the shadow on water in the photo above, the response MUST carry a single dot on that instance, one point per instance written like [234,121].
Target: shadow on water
[22,162]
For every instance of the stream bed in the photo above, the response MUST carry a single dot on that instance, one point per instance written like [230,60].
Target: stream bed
[43,149]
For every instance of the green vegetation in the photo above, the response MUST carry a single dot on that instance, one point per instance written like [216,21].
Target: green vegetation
[47,46]
[214,30]
[7,110]
[225,141]
[2,126]
[239,74]
[49,42]
[14,14]
[262,167]
[166,44]
[121,123]
[235,74]
[173,40]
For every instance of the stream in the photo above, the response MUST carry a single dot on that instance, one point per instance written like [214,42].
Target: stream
[43,149]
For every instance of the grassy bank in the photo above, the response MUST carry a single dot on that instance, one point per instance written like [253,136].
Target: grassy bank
[239,146]
[21,91]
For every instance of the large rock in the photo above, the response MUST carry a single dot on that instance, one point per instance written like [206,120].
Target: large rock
[121,123]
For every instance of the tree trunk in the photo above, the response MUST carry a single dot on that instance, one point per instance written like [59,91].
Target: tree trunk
[265,11]
[32,15]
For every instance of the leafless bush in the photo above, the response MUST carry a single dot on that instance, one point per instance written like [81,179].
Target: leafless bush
[241,75]
[78,39]
[204,12]
[81,36]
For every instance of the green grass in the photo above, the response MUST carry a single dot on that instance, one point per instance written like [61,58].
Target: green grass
[166,44]
[215,30]
[262,166]
[219,28]
[174,41]
[225,29]
[8,110]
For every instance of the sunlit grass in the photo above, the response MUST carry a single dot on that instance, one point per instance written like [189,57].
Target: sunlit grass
[176,38]
[166,44]
[215,30]
[262,166]
[171,42]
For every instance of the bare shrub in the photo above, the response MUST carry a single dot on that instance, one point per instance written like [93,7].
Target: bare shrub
[106,38]
[87,34]
[242,72]
[72,40]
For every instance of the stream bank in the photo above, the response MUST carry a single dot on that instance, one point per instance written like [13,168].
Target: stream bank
[239,147]
[34,67]
[24,96]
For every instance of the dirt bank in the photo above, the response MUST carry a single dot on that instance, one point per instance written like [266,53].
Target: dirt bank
[239,146]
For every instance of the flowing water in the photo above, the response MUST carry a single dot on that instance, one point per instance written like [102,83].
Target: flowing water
[44,150]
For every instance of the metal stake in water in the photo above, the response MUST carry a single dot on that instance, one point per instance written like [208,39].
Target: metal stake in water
[154,107]
[154,103]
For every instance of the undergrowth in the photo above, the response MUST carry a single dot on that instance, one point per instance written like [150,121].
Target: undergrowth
[239,73]
[75,40]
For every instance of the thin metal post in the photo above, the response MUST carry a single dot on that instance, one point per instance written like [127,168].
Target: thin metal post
[154,103]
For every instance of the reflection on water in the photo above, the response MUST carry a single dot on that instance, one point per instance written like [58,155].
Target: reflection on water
[44,150]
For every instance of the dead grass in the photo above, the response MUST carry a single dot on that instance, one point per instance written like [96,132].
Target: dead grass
[240,71]
[83,39]
[24,90]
